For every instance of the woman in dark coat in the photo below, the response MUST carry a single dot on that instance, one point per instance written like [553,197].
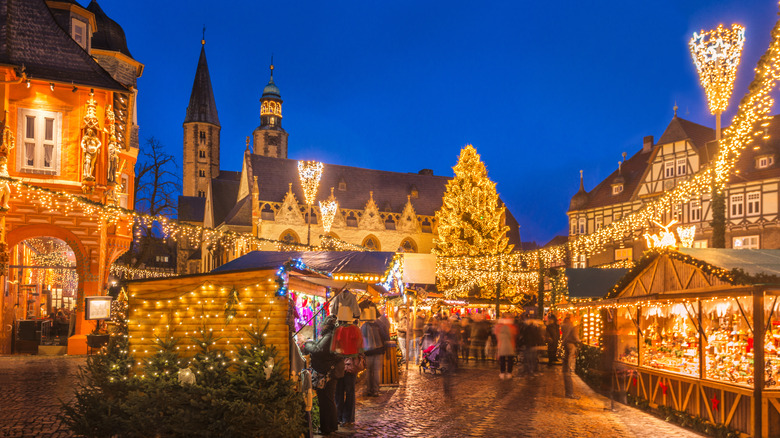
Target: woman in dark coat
[325,362]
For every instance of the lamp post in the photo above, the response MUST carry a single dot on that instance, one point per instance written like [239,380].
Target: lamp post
[310,173]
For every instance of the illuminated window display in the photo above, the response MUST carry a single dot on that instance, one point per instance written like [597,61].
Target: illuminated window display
[669,337]
[728,352]
[772,342]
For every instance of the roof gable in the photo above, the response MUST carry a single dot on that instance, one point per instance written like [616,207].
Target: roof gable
[32,38]
[681,129]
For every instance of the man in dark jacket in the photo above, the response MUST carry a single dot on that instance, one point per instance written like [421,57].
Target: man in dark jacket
[553,331]
[325,362]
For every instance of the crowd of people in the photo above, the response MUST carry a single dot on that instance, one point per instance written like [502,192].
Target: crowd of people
[474,337]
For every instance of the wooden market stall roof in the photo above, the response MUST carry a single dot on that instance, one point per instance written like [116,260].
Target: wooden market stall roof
[592,282]
[697,270]
[353,262]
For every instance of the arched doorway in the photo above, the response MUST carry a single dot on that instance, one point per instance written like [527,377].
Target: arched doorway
[41,293]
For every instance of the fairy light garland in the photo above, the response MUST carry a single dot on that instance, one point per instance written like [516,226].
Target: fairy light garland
[328,210]
[118,269]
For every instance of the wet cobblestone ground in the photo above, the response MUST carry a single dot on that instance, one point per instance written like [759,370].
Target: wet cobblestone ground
[480,405]
[31,388]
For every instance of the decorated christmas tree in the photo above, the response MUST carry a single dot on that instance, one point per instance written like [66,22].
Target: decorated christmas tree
[470,222]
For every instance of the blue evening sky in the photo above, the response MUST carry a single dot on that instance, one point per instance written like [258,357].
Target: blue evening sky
[541,89]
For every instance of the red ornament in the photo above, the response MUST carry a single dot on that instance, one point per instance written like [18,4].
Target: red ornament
[633,381]
[715,402]
[663,387]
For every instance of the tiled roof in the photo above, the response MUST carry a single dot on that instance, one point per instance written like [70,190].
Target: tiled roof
[745,170]
[191,208]
[557,240]
[632,171]
[241,214]
[202,107]
[224,191]
[109,35]
[390,188]
[30,36]
[681,129]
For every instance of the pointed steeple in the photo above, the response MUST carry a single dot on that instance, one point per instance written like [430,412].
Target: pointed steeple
[202,107]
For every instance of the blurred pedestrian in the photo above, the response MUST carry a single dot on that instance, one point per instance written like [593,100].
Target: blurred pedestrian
[413,346]
[374,340]
[533,342]
[505,345]
[465,334]
[480,331]
[553,331]
[401,327]
[570,339]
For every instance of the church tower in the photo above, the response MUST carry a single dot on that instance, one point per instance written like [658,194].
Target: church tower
[201,133]
[270,139]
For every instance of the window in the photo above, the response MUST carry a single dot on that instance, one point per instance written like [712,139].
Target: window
[583,226]
[700,244]
[371,243]
[79,32]
[669,169]
[289,236]
[342,186]
[162,258]
[201,154]
[737,205]
[267,213]
[426,226]
[764,162]
[580,261]
[677,212]
[201,173]
[123,190]
[573,227]
[414,193]
[746,242]
[40,134]
[754,203]
[201,194]
[617,188]
[599,222]
[408,245]
[272,120]
[624,254]
[389,222]
[695,211]
[352,220]
[202,136]
[682,166]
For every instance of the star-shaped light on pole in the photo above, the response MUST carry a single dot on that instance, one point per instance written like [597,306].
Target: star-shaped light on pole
[328,211]
[309,173]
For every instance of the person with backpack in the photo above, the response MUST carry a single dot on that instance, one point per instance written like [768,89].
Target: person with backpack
[505,332]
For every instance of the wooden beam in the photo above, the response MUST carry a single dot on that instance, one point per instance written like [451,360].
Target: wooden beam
[687,396]
[732,410]
[676,274]
[707,404]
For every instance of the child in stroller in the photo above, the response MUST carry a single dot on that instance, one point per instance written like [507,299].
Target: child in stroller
[437,357]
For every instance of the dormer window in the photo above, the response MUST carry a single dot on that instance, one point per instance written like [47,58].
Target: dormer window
[765,161]
[617,189]
[414,193]
[79,32]
[342,186]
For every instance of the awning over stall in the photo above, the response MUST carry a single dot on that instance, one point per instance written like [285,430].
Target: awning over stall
[363,262]
[752,261]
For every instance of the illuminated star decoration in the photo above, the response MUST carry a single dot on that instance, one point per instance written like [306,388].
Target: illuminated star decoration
[310,173]
[328,211]
[716,54]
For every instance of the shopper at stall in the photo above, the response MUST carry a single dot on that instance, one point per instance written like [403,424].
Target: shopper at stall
[465,334]
[374,339]
[553,331]
[570,339]
[402,326]
[418,322]
[505,345]
[331,367]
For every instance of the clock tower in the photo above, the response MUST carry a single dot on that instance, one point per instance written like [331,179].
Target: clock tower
[270,139]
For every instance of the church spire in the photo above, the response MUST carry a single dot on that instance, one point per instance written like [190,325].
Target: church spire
[202,107]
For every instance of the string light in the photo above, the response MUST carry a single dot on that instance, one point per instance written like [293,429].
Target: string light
[328,210]
[310,173]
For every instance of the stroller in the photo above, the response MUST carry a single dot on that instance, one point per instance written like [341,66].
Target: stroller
[437,357]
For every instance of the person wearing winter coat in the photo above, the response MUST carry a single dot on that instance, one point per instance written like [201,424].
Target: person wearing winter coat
[533,340]
[480,332]
[505,332]
[323,361]
[570,338]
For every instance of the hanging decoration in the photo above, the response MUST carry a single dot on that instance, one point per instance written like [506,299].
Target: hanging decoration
[716,54]
[328,210]
[310,173]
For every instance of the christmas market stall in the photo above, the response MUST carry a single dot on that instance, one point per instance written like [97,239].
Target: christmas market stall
[219,306]
[697,333]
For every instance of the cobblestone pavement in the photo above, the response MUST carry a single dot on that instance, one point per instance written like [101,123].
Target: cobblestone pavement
[482,405]
[31,388]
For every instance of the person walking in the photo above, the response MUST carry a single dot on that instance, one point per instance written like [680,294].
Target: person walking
[402,325]
[553,331]
[417,323]
[533,341]
[480,331]
[570,339]
[465,334]
[325,362]
[505,345]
